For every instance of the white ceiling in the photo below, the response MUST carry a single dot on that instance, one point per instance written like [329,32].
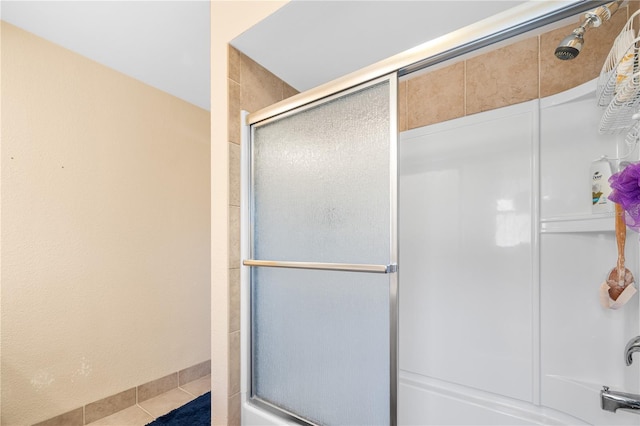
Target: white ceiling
[165,44]
[307,43]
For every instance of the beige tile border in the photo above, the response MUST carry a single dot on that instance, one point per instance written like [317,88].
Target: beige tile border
[112,404]
[131,416]
[198,387]
[258,87]
[109,405]
[234,362]
[157,387]
[234,410]
[70,418]
[508,75]
[196,372]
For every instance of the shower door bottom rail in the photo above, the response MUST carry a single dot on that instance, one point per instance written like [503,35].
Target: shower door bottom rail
[282,412]
[349,267]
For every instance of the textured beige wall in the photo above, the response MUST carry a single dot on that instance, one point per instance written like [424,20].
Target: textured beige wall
[105,231]
[228,20]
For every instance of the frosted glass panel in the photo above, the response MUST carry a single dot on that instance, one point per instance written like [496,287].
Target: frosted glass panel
[321,182]
[320,340]
[321,344]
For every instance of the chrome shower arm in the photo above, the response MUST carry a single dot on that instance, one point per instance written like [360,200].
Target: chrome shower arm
[571,45]
[603,13]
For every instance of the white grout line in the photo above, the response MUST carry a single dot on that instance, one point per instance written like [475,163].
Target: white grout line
[151,415]
[464,88]
[539,67]
[186,391]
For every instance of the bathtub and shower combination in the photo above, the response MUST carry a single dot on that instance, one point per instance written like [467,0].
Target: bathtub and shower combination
[446,274]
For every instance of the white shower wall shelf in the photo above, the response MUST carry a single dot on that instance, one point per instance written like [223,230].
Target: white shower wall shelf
[602,222]
[569,130]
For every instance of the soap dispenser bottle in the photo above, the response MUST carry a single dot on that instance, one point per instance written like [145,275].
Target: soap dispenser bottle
[600,173]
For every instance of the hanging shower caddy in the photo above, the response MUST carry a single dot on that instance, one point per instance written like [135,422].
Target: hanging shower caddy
[618,86]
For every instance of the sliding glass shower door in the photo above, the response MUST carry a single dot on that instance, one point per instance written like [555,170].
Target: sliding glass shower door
[324,255]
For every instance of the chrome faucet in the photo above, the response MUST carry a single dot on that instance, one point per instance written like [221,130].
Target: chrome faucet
[612,400]
[632,346]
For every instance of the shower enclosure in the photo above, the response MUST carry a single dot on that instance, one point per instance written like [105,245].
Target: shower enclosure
[489,315]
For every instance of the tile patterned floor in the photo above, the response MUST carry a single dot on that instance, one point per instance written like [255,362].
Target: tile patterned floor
[147,411]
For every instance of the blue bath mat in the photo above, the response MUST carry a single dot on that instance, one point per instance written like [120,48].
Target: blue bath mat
[194,413]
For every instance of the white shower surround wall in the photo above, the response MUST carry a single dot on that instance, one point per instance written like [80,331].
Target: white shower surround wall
[467,268]
[501,260]
[528,344]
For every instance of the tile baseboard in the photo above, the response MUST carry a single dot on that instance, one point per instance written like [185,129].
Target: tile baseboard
[112,404]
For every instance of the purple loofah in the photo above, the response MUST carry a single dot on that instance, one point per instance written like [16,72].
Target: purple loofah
[625,187]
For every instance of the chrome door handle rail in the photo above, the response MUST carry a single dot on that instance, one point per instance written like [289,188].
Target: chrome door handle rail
[349,267]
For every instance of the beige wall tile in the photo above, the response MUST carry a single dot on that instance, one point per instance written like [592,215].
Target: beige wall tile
[234,410]
[234,300]
[194,373]
[505,76]
[436,96]
[288,91]
[110,405]
[234,362]
[157,387]
[234,112]
[259,88]
[402,106]
[168,401]
[72,418]
[233,64]
[234,237]
[198,387]
[633,7]
[132,416]
[556,75]
[234,174]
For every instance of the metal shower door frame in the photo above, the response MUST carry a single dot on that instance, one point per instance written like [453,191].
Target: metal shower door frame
[391,269]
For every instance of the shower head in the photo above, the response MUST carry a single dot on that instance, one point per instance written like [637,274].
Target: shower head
[571,45]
